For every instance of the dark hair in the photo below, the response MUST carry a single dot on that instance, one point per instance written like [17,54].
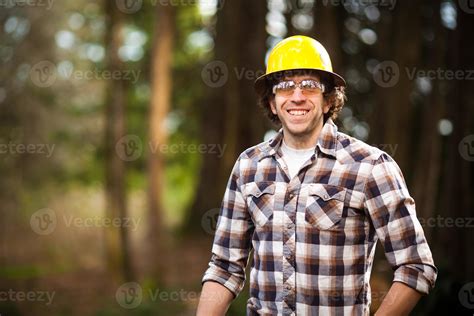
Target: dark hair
[335,96]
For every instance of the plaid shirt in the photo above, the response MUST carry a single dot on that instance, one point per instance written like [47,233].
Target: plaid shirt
[314,236]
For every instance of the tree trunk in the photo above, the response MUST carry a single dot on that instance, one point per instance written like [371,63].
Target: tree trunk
[117,240]
[161,91]
[327,29]
[231,116]
[458,177]
[395,101]
[428,154]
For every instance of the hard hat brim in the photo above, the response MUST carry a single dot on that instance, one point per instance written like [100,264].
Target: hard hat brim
[260,82]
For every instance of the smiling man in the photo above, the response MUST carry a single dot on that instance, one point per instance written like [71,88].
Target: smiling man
[312,204]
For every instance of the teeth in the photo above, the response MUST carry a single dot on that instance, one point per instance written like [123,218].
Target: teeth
[298,112]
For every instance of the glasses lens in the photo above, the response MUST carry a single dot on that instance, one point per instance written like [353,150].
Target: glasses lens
[285,87]
[310,86]
[288,87]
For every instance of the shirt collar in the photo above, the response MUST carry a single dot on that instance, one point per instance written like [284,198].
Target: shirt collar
[326,141]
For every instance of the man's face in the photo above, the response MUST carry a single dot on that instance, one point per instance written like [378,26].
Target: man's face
[300,112]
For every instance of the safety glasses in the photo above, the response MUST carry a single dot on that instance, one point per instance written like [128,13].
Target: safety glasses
[308,87]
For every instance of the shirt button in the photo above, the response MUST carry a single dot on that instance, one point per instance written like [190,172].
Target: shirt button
[291,195]
[288,287]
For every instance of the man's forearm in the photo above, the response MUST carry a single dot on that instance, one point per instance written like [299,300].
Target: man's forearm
[215,299]
[400,300]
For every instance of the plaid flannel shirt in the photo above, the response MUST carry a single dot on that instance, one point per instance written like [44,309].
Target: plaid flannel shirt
[314,236]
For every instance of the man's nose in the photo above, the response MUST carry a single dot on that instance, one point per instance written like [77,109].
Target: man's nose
[298,96]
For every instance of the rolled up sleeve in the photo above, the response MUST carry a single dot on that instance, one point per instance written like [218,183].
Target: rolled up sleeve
[393,214]
[232,240]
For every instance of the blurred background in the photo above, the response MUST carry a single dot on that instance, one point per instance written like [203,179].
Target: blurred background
[121,120]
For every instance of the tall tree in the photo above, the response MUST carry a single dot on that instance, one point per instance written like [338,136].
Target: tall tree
[160,102]
[428,164]
[117,239]
[231,116]
[393,110]
[327,28]
[457,186]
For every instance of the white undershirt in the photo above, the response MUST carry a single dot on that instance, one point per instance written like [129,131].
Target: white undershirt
[295,158]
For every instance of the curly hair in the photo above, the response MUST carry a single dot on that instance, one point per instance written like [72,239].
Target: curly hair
[336,96]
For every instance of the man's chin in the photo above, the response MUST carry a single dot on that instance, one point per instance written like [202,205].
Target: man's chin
[298,131]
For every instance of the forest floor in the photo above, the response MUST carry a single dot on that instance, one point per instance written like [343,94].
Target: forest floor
[64,272]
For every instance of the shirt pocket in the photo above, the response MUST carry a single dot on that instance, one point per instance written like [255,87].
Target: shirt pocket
[260,197]
[324,205]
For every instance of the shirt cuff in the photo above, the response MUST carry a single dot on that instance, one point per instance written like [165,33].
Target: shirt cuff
[417,276]
[232,282]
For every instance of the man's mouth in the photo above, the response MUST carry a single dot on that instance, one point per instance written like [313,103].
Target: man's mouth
[298,112]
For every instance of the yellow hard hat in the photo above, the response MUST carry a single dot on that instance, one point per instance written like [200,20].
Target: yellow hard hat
[298,52]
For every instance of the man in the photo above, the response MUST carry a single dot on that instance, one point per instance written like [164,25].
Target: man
[312,203]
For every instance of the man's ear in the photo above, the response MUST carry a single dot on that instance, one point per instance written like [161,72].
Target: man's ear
[273,105]
[326,105]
